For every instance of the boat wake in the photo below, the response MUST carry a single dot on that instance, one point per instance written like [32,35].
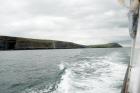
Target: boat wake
[102,74]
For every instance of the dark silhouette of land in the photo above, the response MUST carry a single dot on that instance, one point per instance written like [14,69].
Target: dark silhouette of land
[19,43]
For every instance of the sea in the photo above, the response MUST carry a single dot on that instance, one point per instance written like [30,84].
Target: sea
[92,70]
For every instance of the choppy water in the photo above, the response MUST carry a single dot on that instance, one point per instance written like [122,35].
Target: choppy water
[63,71]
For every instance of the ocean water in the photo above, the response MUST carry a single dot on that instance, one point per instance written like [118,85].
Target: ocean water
[63,70]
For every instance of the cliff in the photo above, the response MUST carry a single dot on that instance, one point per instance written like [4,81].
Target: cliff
[18,43]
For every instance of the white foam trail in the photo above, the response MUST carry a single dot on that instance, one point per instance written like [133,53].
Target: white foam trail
[97,75]
[64,86]
[61,66]
[94,76]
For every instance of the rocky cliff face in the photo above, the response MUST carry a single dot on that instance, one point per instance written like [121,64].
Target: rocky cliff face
[16,43]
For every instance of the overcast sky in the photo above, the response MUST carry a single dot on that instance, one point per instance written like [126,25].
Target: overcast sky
[79,21]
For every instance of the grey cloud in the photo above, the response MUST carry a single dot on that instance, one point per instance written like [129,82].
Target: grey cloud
[69,20]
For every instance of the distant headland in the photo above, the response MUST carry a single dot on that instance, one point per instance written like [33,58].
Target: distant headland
[19,43]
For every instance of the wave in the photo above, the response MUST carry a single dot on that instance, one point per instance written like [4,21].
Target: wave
[103,74]
[52,86]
